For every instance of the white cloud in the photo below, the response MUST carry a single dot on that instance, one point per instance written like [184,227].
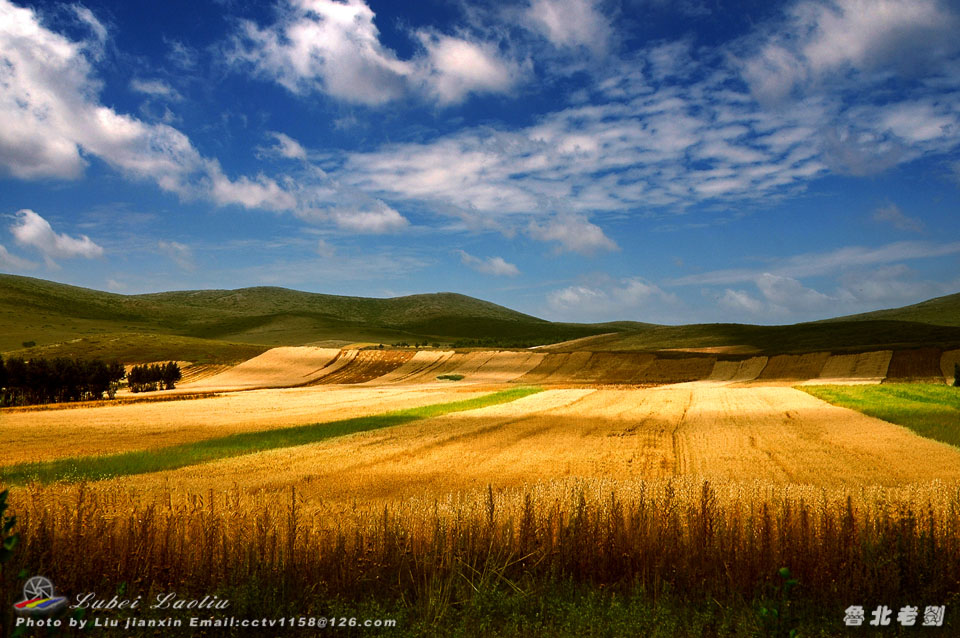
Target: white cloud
[262,192]
[740,301]
[32,230]
[86,17]
[180,254]
[9,261]
[376,218]
[867,34]
[570,23]
[325,249]
[631,298]
[286,147]
[489,266]
[890,213]
[576,297]
[817,264]
[667,131]
[889,286]
[334,47]
[789,295]
[52,119]
[820,38]
[155,88]
[180,54]
[856,290]
[453,68]
[574,233]
[325,45]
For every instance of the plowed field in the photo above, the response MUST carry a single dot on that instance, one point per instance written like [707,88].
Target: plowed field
[275,368]
[368,365]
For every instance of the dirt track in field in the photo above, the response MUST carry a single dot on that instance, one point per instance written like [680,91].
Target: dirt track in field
[775,434]
[50,434]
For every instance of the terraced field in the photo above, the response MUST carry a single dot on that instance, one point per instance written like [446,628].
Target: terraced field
[297,366]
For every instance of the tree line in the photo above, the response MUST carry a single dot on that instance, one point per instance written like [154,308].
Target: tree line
[38,380]
[147,377]
[62,380]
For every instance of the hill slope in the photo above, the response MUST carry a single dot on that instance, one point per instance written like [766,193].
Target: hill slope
[86,321]
[836,336]
[940,311]
[230,325]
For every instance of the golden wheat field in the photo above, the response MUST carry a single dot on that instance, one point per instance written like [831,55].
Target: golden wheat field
[773,434]
[26,434]
[704,488]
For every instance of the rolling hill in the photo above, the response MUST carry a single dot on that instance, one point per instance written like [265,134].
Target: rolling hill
[39,317]
[229,325]
[940,311]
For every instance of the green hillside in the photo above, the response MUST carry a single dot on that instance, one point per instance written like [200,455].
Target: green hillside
[837,336]
[221,325]
[940,311]
[231,325]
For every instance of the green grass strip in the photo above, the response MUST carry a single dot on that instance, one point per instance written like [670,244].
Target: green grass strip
[94,468]
[930,410]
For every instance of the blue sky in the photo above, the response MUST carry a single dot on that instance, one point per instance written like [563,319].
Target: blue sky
[583,160]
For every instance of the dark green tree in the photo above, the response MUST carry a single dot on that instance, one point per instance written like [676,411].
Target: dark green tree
[170,374]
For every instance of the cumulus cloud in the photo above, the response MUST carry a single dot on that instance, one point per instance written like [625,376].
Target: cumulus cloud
[574,233]
[30,229]
[571,23]
[576,297]
[260,192]
[488,266]
[631,298]
[855,290]
[334,47]
[180,254]
[787,294]
[454,67]
[891,214]
[325,45]
[740,301]
[53,119]
[819,38]
[376,218]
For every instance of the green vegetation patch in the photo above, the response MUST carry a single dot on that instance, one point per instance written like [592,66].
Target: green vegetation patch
[929,410]
[93,468]
[450,377]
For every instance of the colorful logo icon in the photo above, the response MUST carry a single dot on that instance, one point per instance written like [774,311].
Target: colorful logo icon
[39,597]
